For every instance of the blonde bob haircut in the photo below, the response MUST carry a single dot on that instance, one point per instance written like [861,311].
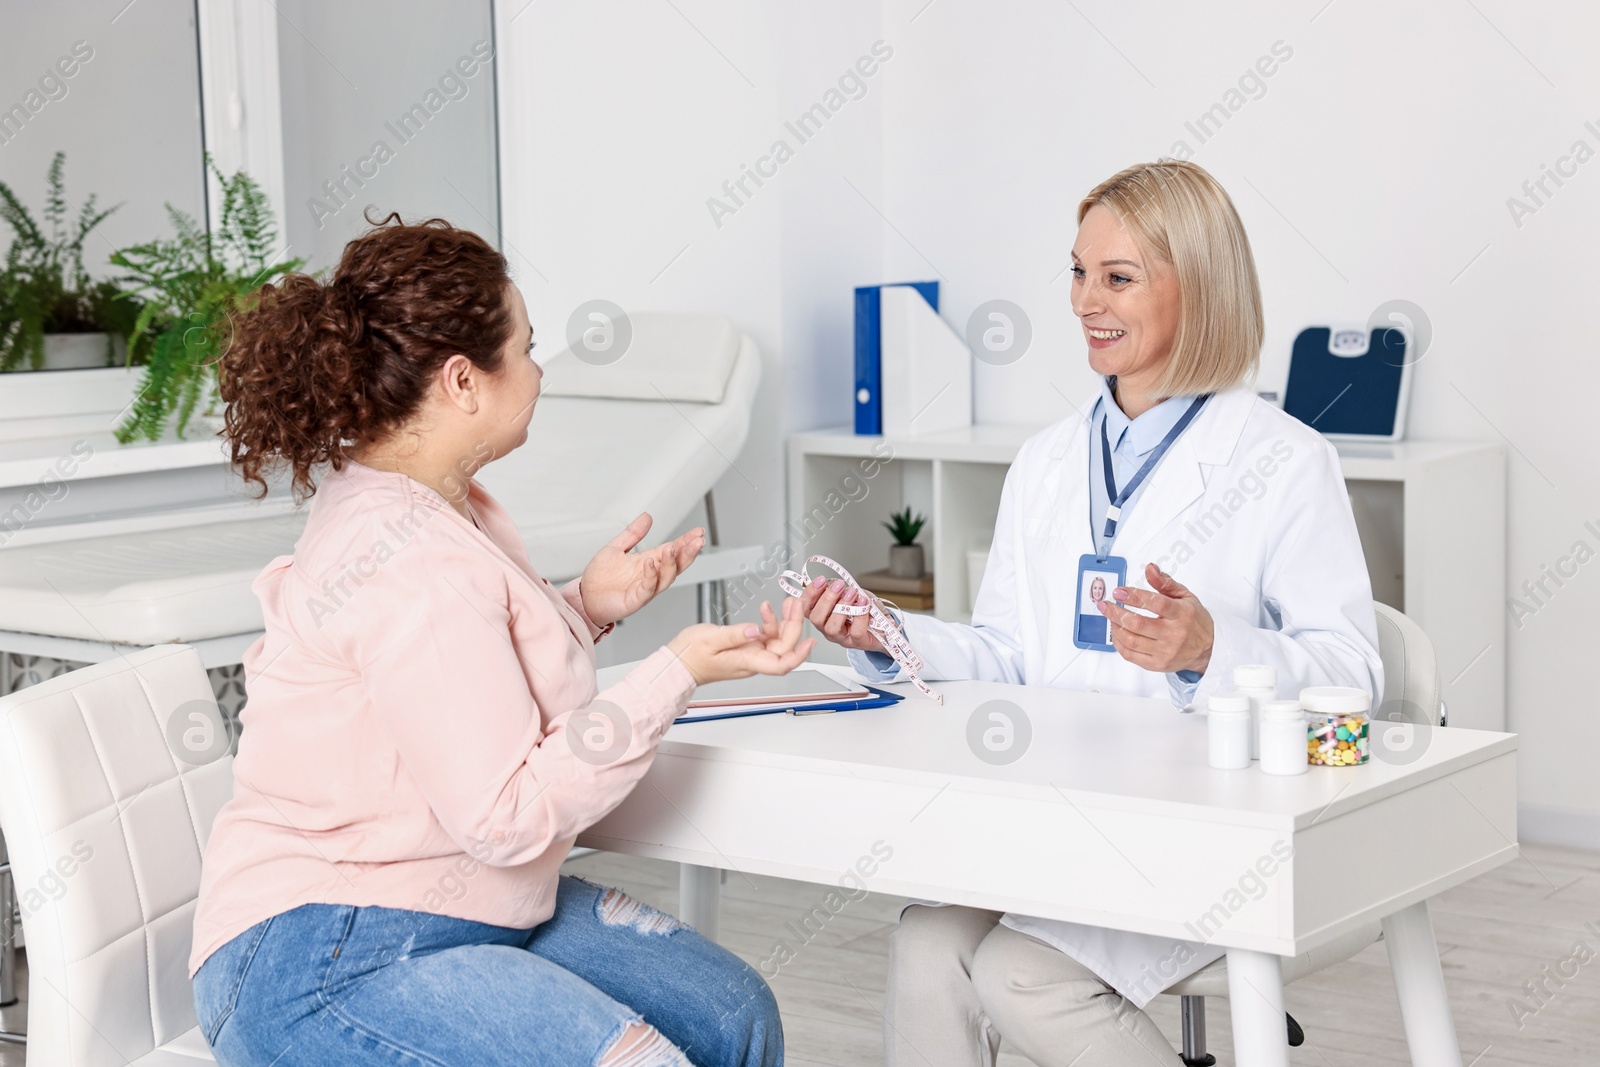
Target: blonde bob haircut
[1180,214]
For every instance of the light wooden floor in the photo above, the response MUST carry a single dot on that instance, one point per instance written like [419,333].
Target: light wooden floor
[15,1017]
[1495,934]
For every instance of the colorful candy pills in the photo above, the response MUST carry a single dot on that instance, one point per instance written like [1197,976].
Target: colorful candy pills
[1336,725]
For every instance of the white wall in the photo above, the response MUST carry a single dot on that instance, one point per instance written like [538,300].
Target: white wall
[620,120]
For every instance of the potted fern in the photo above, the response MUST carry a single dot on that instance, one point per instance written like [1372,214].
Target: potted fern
[191,283]
[905,555]
[53,315]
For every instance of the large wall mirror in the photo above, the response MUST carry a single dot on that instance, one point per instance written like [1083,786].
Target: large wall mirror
[386,105]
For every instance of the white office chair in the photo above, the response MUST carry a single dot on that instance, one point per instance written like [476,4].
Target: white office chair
[1411,692]
[106,827]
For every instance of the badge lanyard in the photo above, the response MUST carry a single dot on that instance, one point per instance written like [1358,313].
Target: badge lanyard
[879,622]
[1117,500]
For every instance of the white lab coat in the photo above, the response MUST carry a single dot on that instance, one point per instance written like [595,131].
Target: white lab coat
[1248,509]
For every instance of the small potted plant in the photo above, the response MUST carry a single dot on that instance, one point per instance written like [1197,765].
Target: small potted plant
[905,555]
[192,283]
[53,316]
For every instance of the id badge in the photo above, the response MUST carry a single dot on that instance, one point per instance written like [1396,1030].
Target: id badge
[1097,578]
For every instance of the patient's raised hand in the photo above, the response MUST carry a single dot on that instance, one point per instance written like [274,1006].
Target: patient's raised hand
[620,581]
[717,653]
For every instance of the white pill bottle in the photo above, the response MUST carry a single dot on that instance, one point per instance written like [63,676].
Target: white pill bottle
[1283,738]
[1259,682]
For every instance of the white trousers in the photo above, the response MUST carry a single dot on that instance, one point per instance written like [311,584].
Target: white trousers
[958,980]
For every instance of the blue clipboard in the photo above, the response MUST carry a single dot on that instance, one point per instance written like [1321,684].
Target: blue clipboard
[882,700]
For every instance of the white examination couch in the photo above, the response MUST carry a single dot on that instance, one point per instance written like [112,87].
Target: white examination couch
[89,575]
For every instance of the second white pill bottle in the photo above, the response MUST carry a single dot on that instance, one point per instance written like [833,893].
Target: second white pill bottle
[1259,682]
[1283,738]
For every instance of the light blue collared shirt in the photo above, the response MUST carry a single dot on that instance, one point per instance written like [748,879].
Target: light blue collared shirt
[1132,441]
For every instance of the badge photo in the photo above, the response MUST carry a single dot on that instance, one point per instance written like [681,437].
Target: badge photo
[1097,577]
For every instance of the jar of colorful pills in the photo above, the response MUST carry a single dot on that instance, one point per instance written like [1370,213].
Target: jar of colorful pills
[1336,725]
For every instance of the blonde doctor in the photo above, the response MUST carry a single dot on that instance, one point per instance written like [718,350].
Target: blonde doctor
[1219,517]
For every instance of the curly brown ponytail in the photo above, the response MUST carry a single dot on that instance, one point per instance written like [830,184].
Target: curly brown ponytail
[315,365]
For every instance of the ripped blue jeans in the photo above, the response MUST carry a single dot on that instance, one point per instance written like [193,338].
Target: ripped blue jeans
[325,983]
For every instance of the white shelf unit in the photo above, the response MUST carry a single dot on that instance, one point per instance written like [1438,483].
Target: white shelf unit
[1431,515]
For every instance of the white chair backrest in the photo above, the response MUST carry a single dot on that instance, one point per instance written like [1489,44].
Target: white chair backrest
[105,826]
[1411,688]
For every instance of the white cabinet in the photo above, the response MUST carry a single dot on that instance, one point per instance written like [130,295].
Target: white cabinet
[1431,516]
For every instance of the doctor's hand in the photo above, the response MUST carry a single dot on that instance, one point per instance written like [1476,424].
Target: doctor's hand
[619,581]
[817,602]
[1178,639]
[718,653]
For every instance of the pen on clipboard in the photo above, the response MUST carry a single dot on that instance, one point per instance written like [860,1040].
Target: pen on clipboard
[876,701]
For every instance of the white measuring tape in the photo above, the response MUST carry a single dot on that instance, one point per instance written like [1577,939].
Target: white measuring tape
[880,623]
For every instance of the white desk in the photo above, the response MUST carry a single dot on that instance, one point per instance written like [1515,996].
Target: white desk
[1110,817]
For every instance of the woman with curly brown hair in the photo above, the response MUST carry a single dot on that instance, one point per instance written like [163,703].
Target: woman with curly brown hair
[424,737]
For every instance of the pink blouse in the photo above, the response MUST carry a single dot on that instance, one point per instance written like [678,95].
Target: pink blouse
[405,742]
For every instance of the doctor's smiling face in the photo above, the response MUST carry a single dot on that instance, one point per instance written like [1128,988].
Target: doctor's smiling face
[1130,303]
